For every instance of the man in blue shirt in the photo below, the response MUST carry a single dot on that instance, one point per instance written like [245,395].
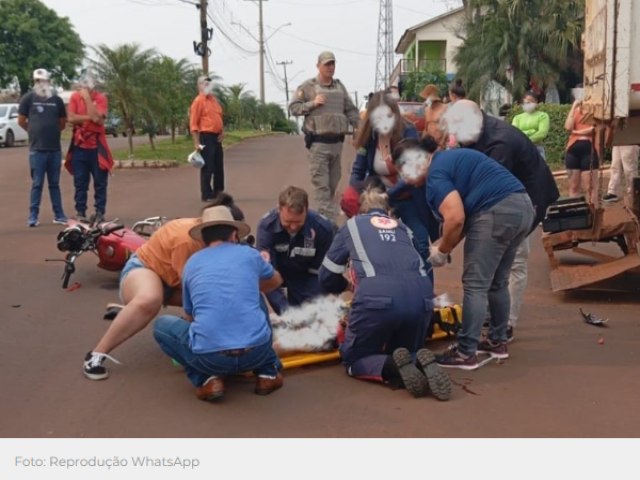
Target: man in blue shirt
[296,240]
[226,330]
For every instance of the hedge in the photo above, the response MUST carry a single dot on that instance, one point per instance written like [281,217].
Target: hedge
[556,141]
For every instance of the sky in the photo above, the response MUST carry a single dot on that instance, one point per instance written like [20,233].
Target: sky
[349,28]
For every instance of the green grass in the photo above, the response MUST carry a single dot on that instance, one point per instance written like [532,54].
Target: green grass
[165,150]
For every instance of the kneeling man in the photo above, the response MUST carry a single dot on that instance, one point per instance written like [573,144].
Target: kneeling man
[226,330]
[296,240]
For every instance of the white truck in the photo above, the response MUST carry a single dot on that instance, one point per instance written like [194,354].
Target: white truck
[612,67]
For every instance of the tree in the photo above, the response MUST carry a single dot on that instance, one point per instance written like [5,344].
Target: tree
[124,71]
[519,42]
[237,114]
[33,36]
[416,81]
[174,86]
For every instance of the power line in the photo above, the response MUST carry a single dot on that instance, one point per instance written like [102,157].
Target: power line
[324,45]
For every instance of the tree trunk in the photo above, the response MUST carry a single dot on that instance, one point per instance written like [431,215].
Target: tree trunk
[153,145]
[173,132]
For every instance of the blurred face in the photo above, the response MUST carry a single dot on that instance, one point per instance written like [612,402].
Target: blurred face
[291,221]
[327,70]
[42,88]
[413,165]
[382,119]
[464,122]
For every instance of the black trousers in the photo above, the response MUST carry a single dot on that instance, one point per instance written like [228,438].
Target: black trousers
[213,169]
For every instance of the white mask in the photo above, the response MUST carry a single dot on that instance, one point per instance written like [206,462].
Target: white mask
[382,119]
[413,164]
[528,107]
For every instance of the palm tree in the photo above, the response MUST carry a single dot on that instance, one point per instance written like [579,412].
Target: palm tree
[519,41]
[236,110]
[124,71]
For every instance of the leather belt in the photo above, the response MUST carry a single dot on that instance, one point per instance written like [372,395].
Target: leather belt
[328,139]
[236,352]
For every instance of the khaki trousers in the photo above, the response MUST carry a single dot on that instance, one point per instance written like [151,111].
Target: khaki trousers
[325,171]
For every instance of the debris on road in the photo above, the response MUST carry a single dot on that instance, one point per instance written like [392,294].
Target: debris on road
[591,319]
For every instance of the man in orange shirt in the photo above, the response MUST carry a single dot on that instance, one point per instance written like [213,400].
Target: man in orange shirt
[89,154]
[206,125]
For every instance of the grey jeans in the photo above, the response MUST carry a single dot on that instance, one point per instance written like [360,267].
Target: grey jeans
[491,240]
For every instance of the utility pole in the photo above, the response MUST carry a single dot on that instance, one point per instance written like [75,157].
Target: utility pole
[286,83]
[261,43]
[202,49]
[204,37]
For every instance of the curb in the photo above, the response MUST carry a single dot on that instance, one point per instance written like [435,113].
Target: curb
[174,163]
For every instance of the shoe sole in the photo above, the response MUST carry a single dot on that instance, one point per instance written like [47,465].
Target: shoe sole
[499,356]
[415,382]
[213,397]
[438,380]
[96,376]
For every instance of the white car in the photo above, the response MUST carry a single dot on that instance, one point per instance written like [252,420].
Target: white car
[10,131]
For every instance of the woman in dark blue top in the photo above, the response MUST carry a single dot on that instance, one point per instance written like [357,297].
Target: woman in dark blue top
[382,129]
[478,199]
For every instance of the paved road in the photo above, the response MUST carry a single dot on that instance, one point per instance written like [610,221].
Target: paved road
[559,382]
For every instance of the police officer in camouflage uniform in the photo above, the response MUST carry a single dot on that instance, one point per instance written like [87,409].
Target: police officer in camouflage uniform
[328,111]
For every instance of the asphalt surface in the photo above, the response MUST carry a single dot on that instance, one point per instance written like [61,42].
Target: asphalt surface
[559,382]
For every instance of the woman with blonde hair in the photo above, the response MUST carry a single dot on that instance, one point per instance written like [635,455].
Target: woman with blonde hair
[392,300]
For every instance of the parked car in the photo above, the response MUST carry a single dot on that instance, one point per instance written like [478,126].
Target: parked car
[10,131]
[413,112]
[113,125]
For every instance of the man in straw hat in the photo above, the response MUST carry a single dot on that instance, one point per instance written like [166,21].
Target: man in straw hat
[226,330]
[150,279]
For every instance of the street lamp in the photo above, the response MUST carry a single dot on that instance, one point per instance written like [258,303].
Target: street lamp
[261,41]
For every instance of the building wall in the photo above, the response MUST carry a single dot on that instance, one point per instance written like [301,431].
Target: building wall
[445,30]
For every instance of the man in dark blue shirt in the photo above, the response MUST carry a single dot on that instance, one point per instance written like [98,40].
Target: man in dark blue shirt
[297,240]
[43,115]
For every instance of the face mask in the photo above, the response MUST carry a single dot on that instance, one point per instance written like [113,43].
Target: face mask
[528,107]
[428,102]
[413,165]
[382,119]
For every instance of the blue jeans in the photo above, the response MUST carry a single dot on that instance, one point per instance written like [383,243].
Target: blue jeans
[172,334]
[491,241]
[45,163]
[84,162]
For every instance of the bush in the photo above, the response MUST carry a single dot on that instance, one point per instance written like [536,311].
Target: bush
[557,138]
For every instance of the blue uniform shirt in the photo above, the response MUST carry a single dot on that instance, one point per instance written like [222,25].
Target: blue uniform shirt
[378,246]
[480,180]
[296,258]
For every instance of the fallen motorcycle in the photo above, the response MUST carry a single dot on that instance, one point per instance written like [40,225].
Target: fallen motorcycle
[110,241]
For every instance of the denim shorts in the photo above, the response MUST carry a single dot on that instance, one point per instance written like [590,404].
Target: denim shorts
[133,263]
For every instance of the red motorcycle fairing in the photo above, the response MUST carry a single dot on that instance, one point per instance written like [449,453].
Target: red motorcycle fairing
[115,249]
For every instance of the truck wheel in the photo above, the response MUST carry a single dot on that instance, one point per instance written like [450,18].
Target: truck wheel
[10,141]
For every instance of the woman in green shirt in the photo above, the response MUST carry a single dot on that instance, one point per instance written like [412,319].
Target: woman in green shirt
[534,124]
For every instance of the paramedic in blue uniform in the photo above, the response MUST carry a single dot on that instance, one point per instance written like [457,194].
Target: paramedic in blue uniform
[392,301]
[296,240]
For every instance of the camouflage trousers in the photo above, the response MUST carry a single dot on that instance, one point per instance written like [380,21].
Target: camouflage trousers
[325,171]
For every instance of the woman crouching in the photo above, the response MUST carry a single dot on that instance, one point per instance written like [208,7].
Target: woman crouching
[478,199]
[392,301]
